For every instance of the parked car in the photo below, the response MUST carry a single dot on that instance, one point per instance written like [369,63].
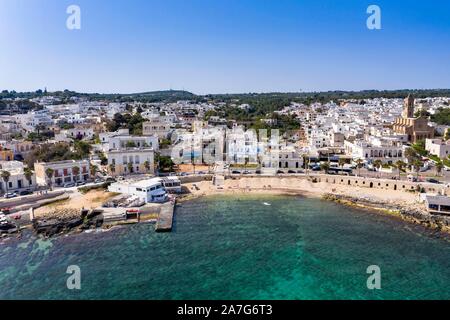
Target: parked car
[291,171]
[433,181]
[258,171]
[81,183]
[247,172]
[235,172]
[25,192]
[10,195]
[69,185]
[98,180]
[280,172]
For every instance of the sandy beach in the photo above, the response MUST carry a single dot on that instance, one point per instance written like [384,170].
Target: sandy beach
[301,186]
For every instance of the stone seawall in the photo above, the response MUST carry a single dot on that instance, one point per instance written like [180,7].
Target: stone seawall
[414,215]
[352,181]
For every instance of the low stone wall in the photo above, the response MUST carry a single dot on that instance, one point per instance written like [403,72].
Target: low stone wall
[197,178]
[386,184]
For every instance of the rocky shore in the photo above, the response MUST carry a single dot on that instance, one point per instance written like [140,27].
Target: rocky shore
[412,214]
[87,219]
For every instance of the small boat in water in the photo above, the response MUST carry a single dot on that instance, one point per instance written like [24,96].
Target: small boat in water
[266,204]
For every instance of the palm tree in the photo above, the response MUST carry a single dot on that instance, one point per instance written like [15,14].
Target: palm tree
[147,165]
[417,164]
[400,165]
[5,176]
[439,167]
[306,163]
[112,168]
[28,173]
[325,166]
[75,173]
[93,171]
[359,165]
[342,163]
[49,173]
[411,155]
[130,167]
[378,163]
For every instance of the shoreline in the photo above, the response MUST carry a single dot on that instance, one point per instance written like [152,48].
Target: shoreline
[404,207]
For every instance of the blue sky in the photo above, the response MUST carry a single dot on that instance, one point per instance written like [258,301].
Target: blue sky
[224,46]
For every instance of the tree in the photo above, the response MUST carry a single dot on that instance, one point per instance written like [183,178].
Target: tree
[400,165]
[325,166]
[378,163]
[417,165]
[342,162]
[49,173]
[112,168]
[130,167]
[75,172]
[439,167]
[82,149]
[165,162]
[28,173]
[410,155]
[147,165]
[93,171]
[359,165]
[5,176]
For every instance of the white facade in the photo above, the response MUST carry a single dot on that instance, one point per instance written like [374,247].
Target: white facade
[438,147]
[17,181]
[151,190]
[386,152]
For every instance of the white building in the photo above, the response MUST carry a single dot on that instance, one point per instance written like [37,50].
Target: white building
[151,190]
[17,180]
[131,160]
[438,147]
[121,139]
[386,151]
[290,158]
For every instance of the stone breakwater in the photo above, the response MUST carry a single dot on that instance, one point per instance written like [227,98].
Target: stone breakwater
[413,214]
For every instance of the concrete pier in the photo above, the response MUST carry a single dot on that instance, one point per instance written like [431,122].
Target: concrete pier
[165,218]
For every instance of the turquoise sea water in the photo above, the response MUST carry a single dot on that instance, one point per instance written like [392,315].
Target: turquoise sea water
[236,247]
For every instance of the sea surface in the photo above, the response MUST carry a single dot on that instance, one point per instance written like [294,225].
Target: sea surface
[237,247]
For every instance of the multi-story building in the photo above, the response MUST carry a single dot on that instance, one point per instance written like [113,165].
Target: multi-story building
[63,172]
[130,160]
[156,127]
[290,158]
[122,139]
[438,147]
[377,149]
[18,180]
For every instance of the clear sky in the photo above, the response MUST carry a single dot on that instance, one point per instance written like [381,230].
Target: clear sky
[224,46]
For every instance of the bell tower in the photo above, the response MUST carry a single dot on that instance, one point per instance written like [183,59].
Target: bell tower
[408,107]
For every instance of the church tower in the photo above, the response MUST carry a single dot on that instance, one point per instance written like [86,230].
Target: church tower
[408,107]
